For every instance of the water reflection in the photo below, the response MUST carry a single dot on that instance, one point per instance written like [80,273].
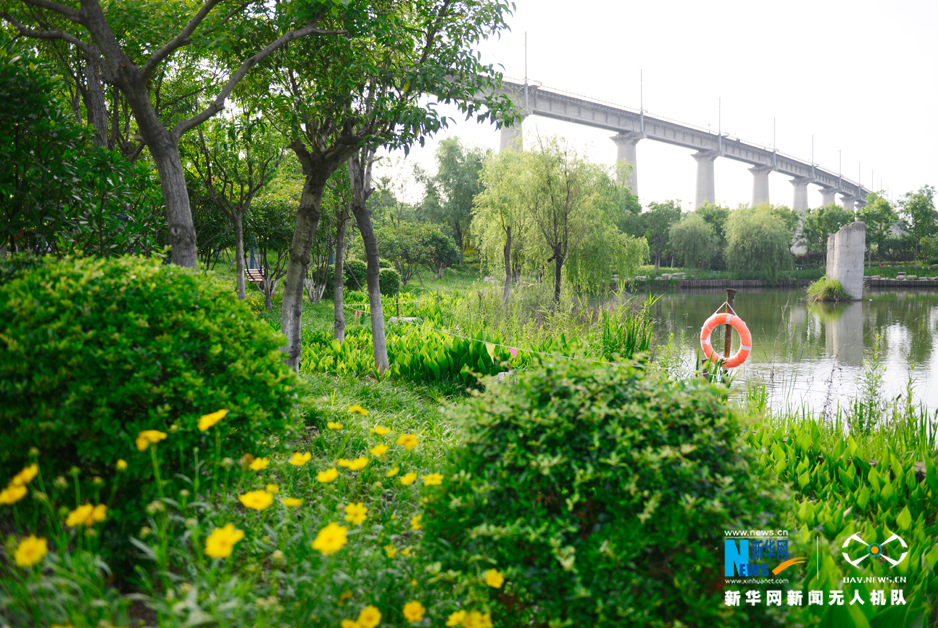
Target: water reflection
[815,353]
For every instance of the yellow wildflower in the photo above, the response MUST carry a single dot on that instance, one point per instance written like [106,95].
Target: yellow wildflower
[298,459]
[358,464]
[390,550]
[221,541]
[433,479]
[357,408]
[328,475]
[30,551]
[12,494]
[331,539]
[415,522]
[348,623]
[25,476]
[356,513]
[342,462]
[456,618]
[86,514]
[408,479]
[475,619]
[258,500]
[121,465]
[380,430]
[291,502]
[407,441]
[392,472]
[332,425]
[209,420]
[148,437]
[345,597]
[413,612]
[494,578]
[259,463]
[369,617]
[272,489]
[407,552]
[379,450]
[414,582]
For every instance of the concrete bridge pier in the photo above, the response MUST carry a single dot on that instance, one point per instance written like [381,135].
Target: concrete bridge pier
[512,137]
[848,202]
[828,196]
[626,154]
[800,201]
[760,184]
[706,189]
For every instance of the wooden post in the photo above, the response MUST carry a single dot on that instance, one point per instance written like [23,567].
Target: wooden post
[728,331]
[397,301]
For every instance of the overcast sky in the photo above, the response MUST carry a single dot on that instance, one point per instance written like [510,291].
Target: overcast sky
[860,76]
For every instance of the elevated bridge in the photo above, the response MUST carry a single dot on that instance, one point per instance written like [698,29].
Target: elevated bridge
[633,125]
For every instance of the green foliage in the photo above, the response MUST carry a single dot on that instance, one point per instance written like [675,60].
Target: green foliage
[415,353]
[383,263]
[658,220]
[356,274]
[757,242]
[411,245]
[918,211]
[693,241]
[390,282]
[95,352]
[879,217]
[825,289]
[450,193]
[820,223]
[601,494]
[59,193]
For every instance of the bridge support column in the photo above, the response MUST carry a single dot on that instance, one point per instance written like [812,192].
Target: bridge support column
[706,190]
[626,159]
[800,201]
[760,184]
[828,196]
[848,202]
[512,137]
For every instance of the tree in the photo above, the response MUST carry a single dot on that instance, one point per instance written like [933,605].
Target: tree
[658,220]
[234,158]
[879,217]
[716,216]
[59,193]
[693,240]
[450,193]
[820,223]
[918,211]
[129,46]
[499,222]
[270,226]
[757,241]
[339,95]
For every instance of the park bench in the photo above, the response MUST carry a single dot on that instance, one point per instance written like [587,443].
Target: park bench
[253,275]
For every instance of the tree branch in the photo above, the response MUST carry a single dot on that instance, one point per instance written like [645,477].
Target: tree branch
[68,12]
[51,35]
[179,40]
[219,102]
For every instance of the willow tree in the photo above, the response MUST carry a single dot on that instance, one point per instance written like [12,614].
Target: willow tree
[377,87]
[130,42]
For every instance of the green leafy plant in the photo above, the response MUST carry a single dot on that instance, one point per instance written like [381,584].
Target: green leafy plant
[356,274]
[96,351]
[600,494]
[390,282]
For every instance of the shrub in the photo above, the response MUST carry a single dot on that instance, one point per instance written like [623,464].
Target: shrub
[390,282]
[825,289]
[757,242]
[95,351]
[601,494]
[383,263]
[356,274]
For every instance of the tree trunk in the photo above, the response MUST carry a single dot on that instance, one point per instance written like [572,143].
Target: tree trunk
[236,219]
[97,110]
[558,268]
[459,245]
[307,220]
[359,170]
[507,252]
[338,306]
[164,148]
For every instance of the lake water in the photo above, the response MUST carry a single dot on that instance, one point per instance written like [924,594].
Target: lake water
[814,354]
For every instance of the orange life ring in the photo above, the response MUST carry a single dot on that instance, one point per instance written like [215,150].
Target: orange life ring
[745,339]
